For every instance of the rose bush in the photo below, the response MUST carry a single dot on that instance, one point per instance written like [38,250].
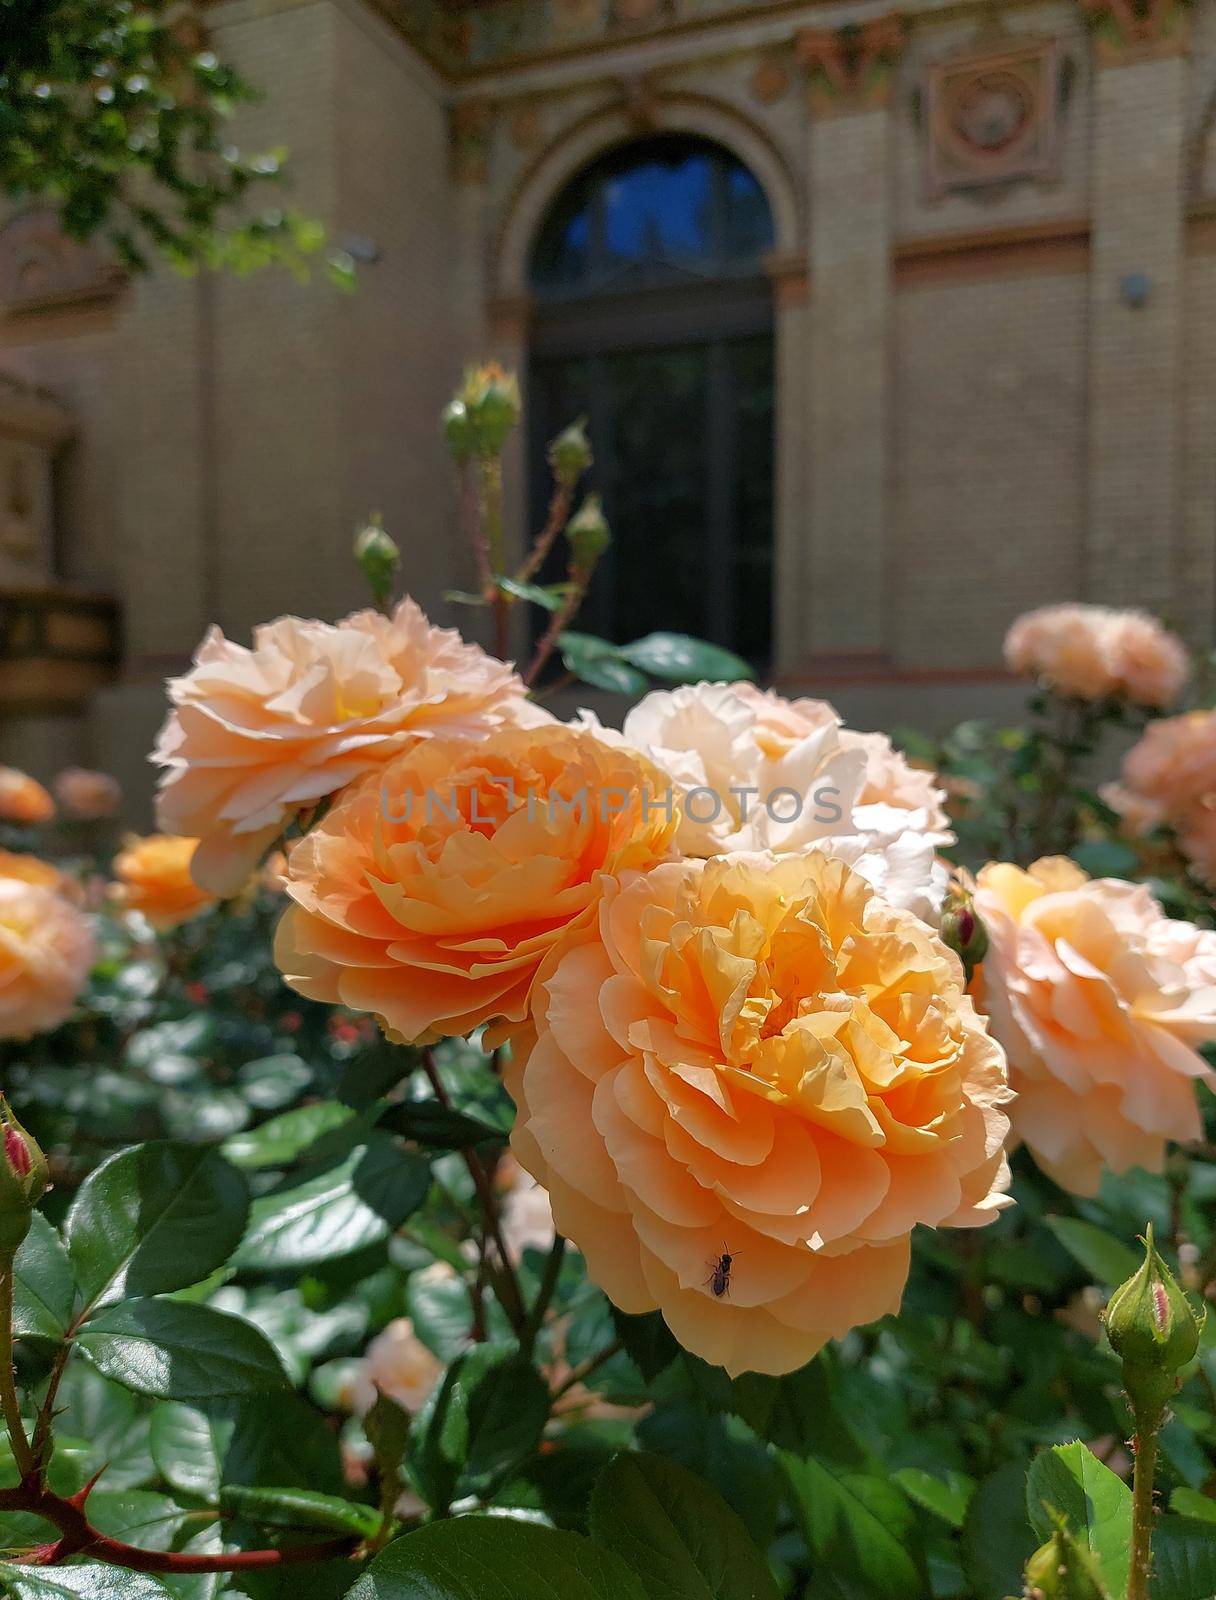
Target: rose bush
[494,1153]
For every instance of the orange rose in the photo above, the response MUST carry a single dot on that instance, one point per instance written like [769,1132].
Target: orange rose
[87,795]
[46,951]
[154,879]
[258,735]
[32,869]
[1099,1000]
[1169,776]
[433,890]
[756,1057]
[23,800]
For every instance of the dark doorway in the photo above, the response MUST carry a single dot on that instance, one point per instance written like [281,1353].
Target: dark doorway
[654,320]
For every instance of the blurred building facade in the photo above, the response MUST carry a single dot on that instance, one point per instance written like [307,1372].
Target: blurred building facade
[890,324]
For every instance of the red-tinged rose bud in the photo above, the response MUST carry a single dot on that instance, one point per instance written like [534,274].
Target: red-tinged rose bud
[18,1152]
[23,1179]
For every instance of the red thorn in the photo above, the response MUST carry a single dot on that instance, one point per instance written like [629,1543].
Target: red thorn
[81,1496]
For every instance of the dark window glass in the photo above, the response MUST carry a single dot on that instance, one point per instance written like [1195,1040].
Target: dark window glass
[670,208]
[655,322]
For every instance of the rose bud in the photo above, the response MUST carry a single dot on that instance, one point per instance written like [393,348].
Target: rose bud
[23,1181]
[1062,1570]
[570,454]
[588,534]
[378,558]
[1153,1331]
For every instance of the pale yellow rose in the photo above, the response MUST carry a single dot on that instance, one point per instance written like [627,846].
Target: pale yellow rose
[87,795]
[257,736]
[433,890]
[153,877]
[1100,1001]
[46,952]
[23,800]
[755,771]
[755,1056]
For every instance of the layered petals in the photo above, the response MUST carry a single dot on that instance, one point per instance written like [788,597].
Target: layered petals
[46,952]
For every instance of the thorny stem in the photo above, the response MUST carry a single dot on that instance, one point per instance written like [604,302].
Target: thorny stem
[1142,1507]
[471,508]
[9,1401]
[555,520]
[489,499]
[580,578]
[505,1283]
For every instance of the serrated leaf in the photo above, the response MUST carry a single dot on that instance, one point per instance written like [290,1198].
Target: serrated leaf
[676,1532]
[285,1138]
[859,1527]
[946,1497]
[154,1218]
[495,1558]
[173,1350]
[44,1289]
[678,658]
[349,1205]
[1070,1479]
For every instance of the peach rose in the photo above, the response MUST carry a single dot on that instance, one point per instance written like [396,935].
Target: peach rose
[258,735]
[1197,839]
[87,795]
[755,1056]
[1169,777]
[1091,652]
[396,1363]
[153,877]
[758,772]
[525,1215]
[32,869]
[433,890]
[46,952]
[23,800]
[1099,1000]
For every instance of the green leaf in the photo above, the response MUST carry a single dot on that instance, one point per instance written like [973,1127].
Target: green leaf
[677,1533]
[946,1497]
[486,1417]
[858,1527]
[113,1422]
[173,1350]
[1098,1505]
[300,1508]
[1184,1560]
[650,1344]
[552,599]
[354,1203]
[154,1218]
[495,1558]
[274,1081]
[439,1127]
[44,1289]
[137,1516]
[997,1537]
[270,1439]
[599,663]
[1108,1259]
[681,659]
[89,1582]
[285,1138]
[1191,1503]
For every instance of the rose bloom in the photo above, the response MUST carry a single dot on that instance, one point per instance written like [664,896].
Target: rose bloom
[87,795]
[32,869]
[46,951]
[525,1215]
[258,735]
[759,772]
[1100,1001]
[1169,777]
[433,890]
[23,800]
[756,1056]
[396,1363]
[1092,651]
[153,877]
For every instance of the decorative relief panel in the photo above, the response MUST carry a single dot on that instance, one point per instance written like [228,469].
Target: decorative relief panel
[993,115]
[40,268]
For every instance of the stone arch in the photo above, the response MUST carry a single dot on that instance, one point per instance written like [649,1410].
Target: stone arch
[618,124]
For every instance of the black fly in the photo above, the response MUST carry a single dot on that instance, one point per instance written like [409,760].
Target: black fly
[719,1277]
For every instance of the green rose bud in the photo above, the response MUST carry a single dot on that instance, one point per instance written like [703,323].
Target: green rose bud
[458,430]
[492,406]
[378,557]
[570,454]
[1062,1569]
[1153,1331]
[23,1181]
[588,534]
[962,928]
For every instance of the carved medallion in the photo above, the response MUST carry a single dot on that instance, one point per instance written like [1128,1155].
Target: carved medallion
[993,116]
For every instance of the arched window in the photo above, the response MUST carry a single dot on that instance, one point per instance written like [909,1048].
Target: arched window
[654,320]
